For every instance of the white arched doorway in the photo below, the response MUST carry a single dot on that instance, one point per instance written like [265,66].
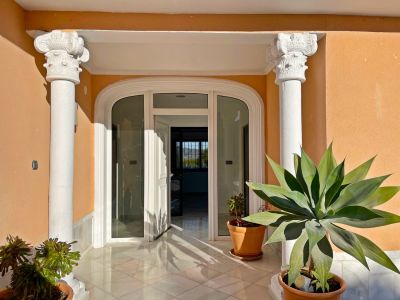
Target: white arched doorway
[147,87]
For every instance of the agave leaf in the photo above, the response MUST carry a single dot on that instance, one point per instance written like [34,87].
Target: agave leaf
[315,233]
[322,256]
[270,218]
[308,169]
[358,213]
[384,218]
[334,183]
[299,174]
[286,231]
[285,178]
[325,167]
[332,187]
[273,194]
[298,257]
[277,191]
[373,252]
[315,186]
[346,241]
[380,196]
[356,192]
[358,173]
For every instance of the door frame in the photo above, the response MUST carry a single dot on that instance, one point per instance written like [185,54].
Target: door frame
[147,86]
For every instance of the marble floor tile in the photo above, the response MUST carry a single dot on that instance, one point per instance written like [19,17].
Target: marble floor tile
[179,265]
[174,285]
[252,292]
[203,292]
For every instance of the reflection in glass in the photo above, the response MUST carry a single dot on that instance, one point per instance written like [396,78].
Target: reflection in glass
[232,154]
[183,100]
[204,155]
[128,167]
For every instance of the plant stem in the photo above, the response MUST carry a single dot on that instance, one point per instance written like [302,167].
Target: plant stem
[310,267]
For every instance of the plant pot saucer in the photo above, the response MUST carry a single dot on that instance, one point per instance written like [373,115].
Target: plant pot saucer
[246,257]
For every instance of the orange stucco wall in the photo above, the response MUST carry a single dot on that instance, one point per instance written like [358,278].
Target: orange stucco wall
[25,134]
[24,130]
[363,108]
[48,20]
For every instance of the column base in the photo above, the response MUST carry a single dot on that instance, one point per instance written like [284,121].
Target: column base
[80,292]
[275,288]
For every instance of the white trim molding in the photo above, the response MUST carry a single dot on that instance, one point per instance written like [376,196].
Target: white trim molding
[147,86]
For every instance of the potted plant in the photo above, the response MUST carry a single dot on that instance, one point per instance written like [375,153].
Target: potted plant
[247,237]
[314,203]
[36,273]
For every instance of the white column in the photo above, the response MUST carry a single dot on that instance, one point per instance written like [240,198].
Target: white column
[291,50]
[64,51]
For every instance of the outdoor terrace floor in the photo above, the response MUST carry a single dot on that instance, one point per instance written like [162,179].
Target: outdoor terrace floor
[178,265]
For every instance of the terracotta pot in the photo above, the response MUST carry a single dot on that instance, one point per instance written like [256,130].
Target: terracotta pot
[66,289]
[247,241]
[290,293]
[62,286]
[5,293]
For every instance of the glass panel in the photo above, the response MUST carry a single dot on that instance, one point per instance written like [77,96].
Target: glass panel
[191,155]
[128,167]
[178,155]
[185,100]
[232,149]
[204,155]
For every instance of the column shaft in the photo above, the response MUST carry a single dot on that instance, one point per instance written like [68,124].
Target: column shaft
[62,160]
[290,136]
[291,51]
[290,122]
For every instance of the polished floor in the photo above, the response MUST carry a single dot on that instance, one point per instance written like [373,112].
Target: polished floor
[181,264]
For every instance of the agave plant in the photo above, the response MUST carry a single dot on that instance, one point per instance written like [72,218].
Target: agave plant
[314,203]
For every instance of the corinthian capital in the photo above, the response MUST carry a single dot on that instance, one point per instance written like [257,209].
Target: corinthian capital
[291,51]
[64,51]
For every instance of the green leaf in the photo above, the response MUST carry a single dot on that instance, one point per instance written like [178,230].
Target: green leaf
[308,169]
[346,241]
[299,174]
[333,183]
[380,196]
[325,167]
[322,256]
[385,218]
[286,231]
[315,233]
[358,173]
[358,213]
[332,187]
[285,178]
[315,185]
[373,252]
[274,195]
[298,257]
[270,218]
[357,192]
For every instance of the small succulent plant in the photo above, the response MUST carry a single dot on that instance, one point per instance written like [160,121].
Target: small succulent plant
[35,274]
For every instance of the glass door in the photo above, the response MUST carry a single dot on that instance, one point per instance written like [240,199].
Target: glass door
[127,199]
[232,156]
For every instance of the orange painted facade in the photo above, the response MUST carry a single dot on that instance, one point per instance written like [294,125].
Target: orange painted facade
[350,97]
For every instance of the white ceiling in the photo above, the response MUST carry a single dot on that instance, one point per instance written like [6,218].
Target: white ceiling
[177,53]
[343,7]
